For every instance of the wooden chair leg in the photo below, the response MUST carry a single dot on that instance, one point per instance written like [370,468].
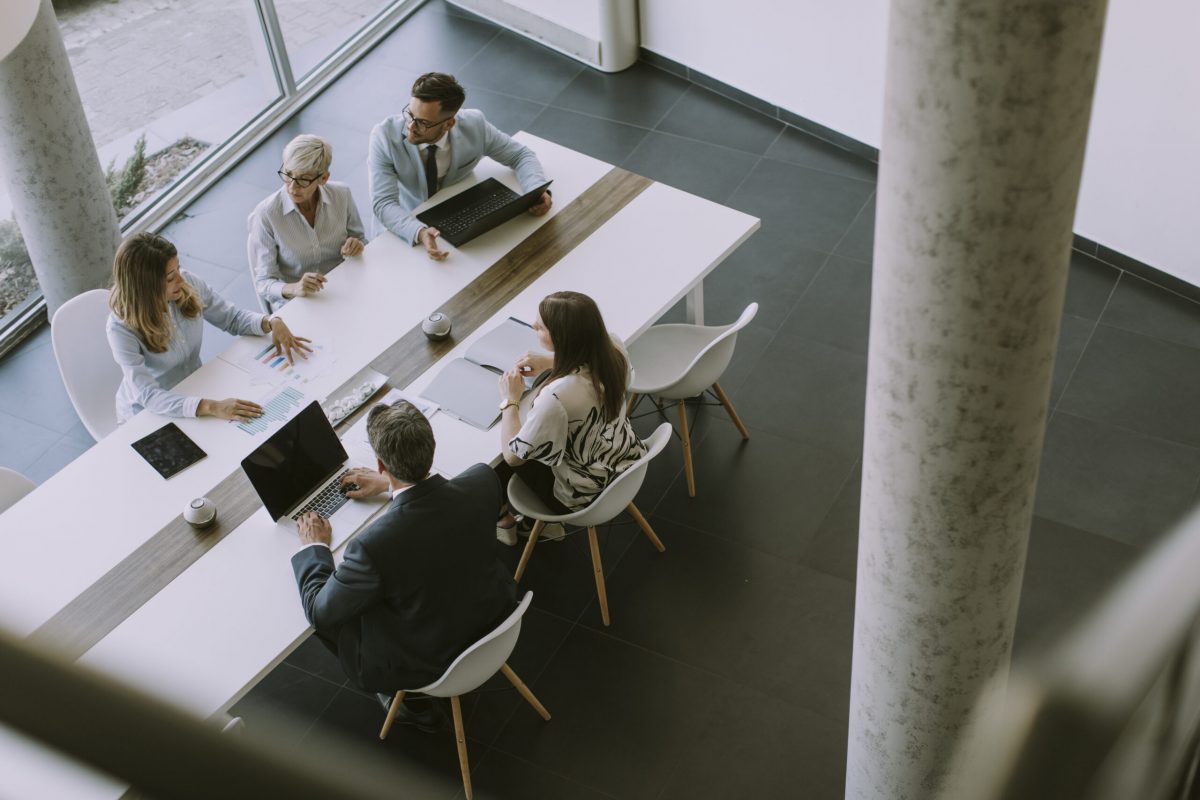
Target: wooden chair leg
[391,715]
[524,690]
[633,401]
[687,449]
[640,520]
[528,551]
[599,568]
[461,738]
[724,398]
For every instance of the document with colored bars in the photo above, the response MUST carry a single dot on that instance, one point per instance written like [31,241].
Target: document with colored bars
[284,386]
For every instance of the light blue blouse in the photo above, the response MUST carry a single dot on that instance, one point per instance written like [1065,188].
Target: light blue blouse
[149,377]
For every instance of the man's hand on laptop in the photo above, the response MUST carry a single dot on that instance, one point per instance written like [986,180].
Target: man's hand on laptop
[369,483]
[428,237]
[543,205]
[314,529]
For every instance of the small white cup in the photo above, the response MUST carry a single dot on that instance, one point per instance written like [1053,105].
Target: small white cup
[200,513]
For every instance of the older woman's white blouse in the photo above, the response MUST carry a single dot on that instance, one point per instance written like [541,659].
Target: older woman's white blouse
[148,377]
[282,246]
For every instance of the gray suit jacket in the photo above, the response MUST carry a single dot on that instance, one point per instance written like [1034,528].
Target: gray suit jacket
[398,176]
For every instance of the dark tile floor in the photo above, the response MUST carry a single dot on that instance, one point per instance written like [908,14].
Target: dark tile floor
[726,668]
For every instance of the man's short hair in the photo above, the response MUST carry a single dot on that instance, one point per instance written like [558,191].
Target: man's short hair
[438,87]
[402,438]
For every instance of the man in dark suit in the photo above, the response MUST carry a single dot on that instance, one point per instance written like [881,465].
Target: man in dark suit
[418,585]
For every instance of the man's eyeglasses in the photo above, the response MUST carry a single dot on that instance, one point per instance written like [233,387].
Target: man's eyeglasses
[303,183]
[421,124]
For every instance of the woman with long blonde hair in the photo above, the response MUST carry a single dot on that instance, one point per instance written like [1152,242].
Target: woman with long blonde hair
[156,325]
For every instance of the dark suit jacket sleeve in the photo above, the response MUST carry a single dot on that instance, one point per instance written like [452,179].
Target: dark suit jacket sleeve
[331,597]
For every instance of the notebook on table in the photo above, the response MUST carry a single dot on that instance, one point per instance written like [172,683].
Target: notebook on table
[466,387]
[299,469]
[475,211]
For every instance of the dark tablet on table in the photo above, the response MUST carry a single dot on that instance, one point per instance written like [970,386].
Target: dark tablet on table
[169,450]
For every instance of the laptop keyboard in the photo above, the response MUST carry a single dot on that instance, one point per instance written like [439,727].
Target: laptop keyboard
[469,216]
[329,500]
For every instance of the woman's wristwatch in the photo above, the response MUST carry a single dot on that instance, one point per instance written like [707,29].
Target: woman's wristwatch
[506,403]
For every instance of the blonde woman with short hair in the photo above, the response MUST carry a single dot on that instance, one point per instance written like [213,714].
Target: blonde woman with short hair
[156,325]
[304,229]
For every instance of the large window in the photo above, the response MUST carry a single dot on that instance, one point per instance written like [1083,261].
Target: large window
[165,83]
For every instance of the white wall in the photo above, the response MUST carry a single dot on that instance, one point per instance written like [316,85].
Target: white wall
[825,61]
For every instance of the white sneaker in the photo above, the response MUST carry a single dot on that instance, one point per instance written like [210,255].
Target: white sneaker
[507,535]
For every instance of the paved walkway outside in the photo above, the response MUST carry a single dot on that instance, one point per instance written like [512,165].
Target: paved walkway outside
[138,60]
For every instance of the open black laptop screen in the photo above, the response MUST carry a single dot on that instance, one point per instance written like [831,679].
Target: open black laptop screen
[295,460]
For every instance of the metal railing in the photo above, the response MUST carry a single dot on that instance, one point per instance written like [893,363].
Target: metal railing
[1110,711]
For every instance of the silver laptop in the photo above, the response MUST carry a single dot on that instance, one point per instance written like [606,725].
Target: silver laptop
[299,469]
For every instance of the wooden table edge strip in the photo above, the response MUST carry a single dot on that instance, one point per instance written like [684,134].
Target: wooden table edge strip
[132,582]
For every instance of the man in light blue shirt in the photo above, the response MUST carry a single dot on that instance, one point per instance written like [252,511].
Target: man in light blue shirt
[435,142]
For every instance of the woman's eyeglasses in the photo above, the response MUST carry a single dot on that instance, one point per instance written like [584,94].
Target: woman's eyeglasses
[288,177]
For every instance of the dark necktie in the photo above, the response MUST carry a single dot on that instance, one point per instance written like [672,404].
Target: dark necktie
[431,179]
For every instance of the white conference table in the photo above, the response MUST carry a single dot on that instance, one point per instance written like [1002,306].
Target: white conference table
[233,615]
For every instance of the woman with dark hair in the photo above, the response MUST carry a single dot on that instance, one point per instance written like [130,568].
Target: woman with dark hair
[576,438]
[155,329]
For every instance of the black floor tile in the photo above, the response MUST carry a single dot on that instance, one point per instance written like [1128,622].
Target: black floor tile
[432,40]
[1066,571]
[427,763]
[621,716]
[859,241]
[1073,335]
[1137,382]
[316,659]
[24,442]
[1089,285]
[807,391]
[599,138]
[665,473]
[819,206]
[487,710]
[640,95]
[748,748]
[772,268]
[733,476]
[836,307]
[503,777]
[709,117]
[370,92]
[516,66]
[833,549]
[798,147]
[749,616]
[702,169]
[1142,307]
[560,573]
[290,698]
[1112,481]
[32,390]
[509,114]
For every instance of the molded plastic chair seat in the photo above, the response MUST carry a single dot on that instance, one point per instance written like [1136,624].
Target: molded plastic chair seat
[616,497]
[675,362]
[85,361]
[13,486]
[468,672]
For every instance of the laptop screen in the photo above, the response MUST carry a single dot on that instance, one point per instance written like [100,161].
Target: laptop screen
[295,460]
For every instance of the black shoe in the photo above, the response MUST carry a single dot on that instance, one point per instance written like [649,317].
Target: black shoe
[428,718]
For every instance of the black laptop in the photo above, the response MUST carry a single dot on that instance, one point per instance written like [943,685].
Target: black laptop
[477,210]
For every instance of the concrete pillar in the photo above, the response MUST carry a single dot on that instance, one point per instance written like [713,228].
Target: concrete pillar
[986,113]
[57,187]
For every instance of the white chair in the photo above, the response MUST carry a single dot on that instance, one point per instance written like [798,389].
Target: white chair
[13,486]
[616,497]
[675,362]
[86,362]
[471,670]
